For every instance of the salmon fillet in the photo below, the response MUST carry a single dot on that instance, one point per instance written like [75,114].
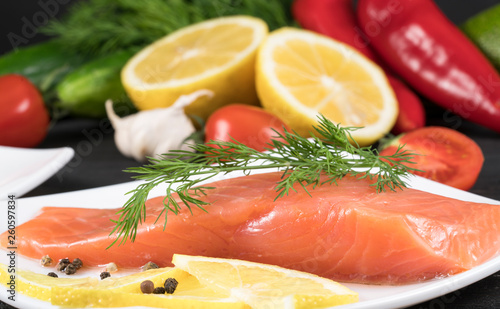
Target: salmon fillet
[346,232]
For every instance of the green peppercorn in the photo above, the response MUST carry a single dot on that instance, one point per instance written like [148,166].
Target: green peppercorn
[159,290]
[149,265]
[170,285]
[104,275]
[53,274]
[46,261]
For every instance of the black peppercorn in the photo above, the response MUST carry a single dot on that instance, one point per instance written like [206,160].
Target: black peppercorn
[70,269]
[64,261]
[61,266]
[77,263]
[170,285]
[53,274]
[159,290]
[147,286]
[105,274]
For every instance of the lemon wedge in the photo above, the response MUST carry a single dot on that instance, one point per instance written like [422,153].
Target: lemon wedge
[217,54]
[301,74]
[265,286]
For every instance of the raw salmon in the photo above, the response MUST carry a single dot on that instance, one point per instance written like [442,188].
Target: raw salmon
[346,232]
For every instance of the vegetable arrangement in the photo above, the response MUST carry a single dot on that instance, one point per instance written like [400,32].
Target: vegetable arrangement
[79,69]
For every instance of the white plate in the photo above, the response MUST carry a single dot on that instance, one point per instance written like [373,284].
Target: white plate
[23,169]
[371,296]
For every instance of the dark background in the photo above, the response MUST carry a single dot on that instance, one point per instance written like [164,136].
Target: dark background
[15,13]
[102,164]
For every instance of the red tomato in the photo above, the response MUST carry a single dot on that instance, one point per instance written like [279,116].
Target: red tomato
[446,156]
[249,125]
[23,117]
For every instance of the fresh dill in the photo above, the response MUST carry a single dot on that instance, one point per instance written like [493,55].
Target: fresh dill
[323,158]
[99,27]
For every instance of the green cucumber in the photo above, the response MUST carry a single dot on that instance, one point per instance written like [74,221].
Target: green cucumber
[44,64]
[84,91]
[484,30]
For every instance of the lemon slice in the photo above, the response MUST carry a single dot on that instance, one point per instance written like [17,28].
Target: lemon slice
[301,74]
[125,292]
[203,282]
[90,292]
[265,286]
[132,283]
[38,285]
[218,54]
[95,298]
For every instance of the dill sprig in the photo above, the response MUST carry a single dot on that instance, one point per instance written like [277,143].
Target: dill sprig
[323,158]
[99,27]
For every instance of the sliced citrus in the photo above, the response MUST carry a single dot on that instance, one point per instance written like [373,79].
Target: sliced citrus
[301,74]
[125,292]
[103,298]
[39,285]
[265,286]
[90,292]
[202,283]
[218,54]
[132,283]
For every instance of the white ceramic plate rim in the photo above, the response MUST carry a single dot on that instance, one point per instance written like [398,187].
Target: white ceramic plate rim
[23,169]
[371,296]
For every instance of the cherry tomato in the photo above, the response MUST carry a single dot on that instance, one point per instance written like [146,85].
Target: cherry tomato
[445,155]
[24,120]
[249,125]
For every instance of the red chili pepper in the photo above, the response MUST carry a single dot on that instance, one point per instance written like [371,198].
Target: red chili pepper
[337,19]
[417,40]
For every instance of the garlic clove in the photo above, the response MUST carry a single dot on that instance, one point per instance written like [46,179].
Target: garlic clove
[154,132]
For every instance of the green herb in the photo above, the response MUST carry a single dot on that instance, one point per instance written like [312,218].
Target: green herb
[302,161]
[97,27]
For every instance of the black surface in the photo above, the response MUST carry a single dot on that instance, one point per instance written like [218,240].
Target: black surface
[97,162]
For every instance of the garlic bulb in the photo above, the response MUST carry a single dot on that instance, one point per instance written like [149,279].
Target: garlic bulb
[151,133]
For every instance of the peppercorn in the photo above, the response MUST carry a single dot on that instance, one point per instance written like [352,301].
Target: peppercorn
[149,265]
[105,274]
[147,286]
[70,269]
[46,261]
[62,264]
[77,263]
[170,285]
[53,274]
[159,290]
